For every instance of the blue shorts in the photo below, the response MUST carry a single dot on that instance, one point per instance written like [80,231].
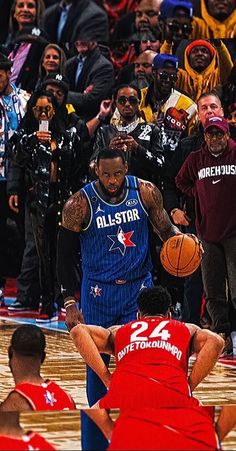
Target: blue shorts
[107,304]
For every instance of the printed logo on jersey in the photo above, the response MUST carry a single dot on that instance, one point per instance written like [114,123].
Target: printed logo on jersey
[121,217]
[131,202]
[95,291]
[49,398]
[99,209]
[121,241]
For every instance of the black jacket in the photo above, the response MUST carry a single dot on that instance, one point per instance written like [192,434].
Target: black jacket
[147,161]
[84,16]
[97,72]
[30,167]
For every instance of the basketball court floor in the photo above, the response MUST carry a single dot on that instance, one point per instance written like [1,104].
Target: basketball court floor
[64,365]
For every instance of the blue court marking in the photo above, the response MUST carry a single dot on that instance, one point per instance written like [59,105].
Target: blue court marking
[58,326]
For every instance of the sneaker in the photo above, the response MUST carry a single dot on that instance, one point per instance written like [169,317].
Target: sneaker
[18,306]
[46,318]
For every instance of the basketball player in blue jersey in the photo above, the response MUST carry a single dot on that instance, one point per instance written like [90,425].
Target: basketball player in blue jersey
[110,215]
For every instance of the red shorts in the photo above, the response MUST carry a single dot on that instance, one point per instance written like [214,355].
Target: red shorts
[164,429]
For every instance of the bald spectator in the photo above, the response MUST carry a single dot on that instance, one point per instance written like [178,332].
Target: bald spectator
[139,72]
[144,20]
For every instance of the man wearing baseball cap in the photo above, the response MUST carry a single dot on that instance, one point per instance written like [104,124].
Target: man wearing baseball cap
[209,174]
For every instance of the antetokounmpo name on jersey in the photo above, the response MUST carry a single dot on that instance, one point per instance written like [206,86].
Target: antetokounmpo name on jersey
[120,217]
[150,344]
[224,169]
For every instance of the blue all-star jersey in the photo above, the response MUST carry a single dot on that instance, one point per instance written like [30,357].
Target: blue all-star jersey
[115,245]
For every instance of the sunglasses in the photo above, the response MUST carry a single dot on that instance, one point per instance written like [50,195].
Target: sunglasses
[42,109]
[165,76]
[57,92]
[218,134]
[131,99]
[175,27]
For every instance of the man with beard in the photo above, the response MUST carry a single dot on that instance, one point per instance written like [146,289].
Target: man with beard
[110,216]
[130,133]
[12,108]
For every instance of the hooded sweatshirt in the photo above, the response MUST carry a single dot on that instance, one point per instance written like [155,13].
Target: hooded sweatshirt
[209,27]
[216,73]
[212,182]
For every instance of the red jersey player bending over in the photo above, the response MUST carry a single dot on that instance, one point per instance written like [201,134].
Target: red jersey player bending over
[151,356]
[32,392]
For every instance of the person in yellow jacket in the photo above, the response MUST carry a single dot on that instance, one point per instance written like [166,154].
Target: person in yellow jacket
[218,20]
[205,67]
[161,103]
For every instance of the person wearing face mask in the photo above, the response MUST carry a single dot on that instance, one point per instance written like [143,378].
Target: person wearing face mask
[47,164]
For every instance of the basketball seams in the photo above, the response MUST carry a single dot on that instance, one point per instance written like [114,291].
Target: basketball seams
[171,255]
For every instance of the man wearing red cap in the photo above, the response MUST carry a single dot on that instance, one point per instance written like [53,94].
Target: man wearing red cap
[205,67]
[209,175]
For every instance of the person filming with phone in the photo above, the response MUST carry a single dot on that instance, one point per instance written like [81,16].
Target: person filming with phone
[45,164]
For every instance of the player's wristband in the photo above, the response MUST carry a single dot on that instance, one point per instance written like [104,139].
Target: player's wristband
[69,302]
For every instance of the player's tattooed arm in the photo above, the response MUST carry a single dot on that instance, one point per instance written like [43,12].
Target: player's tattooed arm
[75,214]
[153,202]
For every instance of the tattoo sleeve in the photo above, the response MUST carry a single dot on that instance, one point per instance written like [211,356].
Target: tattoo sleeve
[158,216]
[75,212]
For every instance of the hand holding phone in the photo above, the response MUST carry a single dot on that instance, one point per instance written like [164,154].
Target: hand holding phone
[43,126]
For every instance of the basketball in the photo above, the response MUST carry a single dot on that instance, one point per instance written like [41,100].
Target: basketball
[181,255]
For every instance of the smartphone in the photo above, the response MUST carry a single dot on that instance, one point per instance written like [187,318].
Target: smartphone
[43,126]
[122,135]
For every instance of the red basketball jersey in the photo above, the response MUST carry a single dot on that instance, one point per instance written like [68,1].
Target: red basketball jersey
[47,396]
[151,365]
[28,441]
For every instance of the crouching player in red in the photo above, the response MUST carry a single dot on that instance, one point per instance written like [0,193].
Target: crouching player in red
[13,436]
[26,355]
[165,429]
[151,356]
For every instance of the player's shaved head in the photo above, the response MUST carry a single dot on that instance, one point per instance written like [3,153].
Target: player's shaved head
[154,301]
[28,340]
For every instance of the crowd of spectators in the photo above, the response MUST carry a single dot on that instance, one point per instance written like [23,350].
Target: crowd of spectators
[144,76]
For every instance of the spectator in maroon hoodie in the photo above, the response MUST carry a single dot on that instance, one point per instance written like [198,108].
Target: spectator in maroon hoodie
[209,175]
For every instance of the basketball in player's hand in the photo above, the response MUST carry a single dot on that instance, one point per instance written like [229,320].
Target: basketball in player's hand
[181,255]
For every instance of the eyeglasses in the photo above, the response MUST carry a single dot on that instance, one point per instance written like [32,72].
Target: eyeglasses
[131,99]
[175,27]
[218,134]
[42,109]
[166,76]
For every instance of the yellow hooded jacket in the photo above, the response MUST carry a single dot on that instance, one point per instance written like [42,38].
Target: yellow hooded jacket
[209,27]
[217,72]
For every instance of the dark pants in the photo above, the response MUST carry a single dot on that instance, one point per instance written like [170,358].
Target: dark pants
[219,275]
[28,280]
[45,233]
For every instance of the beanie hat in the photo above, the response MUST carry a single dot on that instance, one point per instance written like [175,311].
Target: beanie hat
[5,63]
[32,34]
[200,42]
[217,121]
[56,79]
[167,8]
[161,59]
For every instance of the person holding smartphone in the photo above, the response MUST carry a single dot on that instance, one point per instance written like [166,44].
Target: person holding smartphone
[45,163]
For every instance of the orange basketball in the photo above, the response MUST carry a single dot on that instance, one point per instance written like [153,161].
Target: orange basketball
[181,255]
